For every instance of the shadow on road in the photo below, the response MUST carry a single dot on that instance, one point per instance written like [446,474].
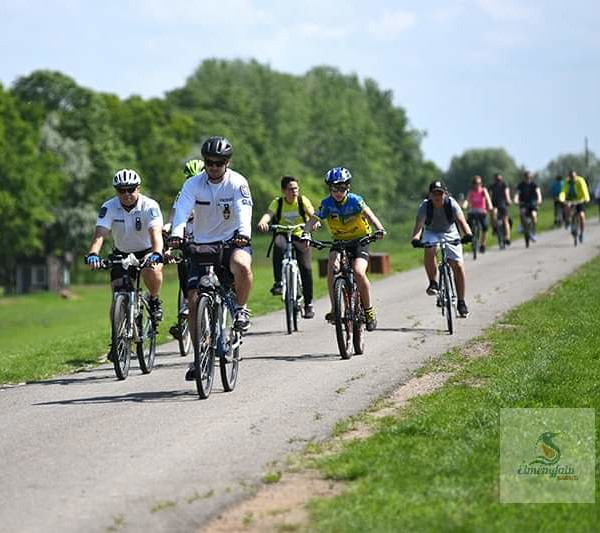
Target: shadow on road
[292,358]
[430,331]
[133,397]
[264,333]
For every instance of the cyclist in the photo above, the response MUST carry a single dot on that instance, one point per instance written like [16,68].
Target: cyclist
[500,196]
[222,205]
[349,218]
[597,196]
[290,209]
[478,202]
[191,168]
[439,217]
[135,222]
[575,193]
[555,190]
[529,198]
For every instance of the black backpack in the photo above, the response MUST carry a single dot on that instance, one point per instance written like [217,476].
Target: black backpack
[447,209]
[301,211]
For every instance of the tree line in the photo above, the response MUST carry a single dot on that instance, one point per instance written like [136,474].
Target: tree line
[60,144]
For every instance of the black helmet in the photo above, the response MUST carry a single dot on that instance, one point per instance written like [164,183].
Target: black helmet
[217,147]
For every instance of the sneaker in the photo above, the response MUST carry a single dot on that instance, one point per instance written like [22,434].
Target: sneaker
[174,331]
[329,317]
[371,317]
[507,242]
[277,289]
[482,249]
[433,288]
[581,237]
[533,237]
[461,307]
[242,319]
[309,311]
[184,311]
[190,374]
[156,309]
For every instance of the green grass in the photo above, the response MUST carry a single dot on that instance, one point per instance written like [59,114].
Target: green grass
[436,468]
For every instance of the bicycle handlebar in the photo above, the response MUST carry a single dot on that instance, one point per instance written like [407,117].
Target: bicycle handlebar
[280,227]
[441,242]
[319,245]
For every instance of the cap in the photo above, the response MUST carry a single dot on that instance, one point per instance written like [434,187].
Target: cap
[437,185]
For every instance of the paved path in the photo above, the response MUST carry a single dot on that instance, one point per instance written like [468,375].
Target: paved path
[85,452]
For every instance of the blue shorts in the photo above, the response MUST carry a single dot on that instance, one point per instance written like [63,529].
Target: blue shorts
[199,270]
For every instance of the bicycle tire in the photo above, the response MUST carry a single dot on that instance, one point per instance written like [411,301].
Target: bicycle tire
[500,235]
[229,362]
[185,337]
[341,312]
[204,357]
[120,341]
[526,233]
[298,301]
[574,227]
[146,347]
[358,325]
[475,243]
[447,302]
[289,298]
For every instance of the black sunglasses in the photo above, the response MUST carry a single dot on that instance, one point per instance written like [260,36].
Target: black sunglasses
[338,188]
[210,163]
[123,190]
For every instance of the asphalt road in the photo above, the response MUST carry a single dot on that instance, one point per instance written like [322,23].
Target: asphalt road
[85,452]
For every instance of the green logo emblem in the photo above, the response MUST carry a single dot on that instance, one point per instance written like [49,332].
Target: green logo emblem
[550,451]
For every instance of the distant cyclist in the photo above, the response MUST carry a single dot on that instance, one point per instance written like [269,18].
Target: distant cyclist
[439,217]
[529,198]
[348,218]
[193,167]
[291,209]
[500,196]
[135,222]
[597,196]
[575,193]
[478,204]
[555,190]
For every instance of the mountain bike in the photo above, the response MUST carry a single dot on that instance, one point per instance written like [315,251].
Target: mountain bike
[475,224]
[446,297]
[292,294]
[500,230]
[527,222]
[181,330]
[216,338]
[575,222]
[348,309]
[130,317]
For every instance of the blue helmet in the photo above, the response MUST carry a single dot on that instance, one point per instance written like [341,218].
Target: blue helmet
[338,175]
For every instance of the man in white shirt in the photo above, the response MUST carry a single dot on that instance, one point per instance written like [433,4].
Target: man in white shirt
[135,222]
[222,205]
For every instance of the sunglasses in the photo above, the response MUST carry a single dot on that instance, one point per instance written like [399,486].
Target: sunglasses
[129,190]
[220,163]
[338,188]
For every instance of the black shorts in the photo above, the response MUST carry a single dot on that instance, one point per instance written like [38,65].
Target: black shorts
[117,271]
[529,208]
[579,208]
[480,217]
[198,269]
[358,250]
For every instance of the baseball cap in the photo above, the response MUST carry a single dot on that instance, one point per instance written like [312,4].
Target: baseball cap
[437,185]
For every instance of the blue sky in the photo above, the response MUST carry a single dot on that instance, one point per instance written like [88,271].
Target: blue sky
[523,75]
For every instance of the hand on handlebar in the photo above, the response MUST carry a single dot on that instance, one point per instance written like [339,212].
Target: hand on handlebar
[241,240]
[263,227]
[93,261]
[155,258]
[380,234]
[416,243]
[466,239]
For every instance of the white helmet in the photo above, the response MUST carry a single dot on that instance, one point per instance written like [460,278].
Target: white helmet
[126,177]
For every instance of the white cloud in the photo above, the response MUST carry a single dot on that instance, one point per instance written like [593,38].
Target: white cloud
[310,29]
[506,10]
[392,24]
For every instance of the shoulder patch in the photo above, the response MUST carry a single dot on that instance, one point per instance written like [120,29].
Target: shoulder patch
[102,212]
[153,212]
[245,191]
[245,201]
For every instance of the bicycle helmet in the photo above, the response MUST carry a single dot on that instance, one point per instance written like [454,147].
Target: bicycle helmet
[338,175]
[126,177]
[216,147]
[193,167]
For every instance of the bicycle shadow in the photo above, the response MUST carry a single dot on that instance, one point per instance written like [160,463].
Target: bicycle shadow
[131,397]
[293,358]
[263,333]
[78,378]
[428,331]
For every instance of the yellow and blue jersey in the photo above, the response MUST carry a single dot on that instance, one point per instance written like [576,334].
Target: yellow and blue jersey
[346,220]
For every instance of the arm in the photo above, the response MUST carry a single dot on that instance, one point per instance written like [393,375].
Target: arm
[243,205]
[507,195]
[156,239]
[416,232]
[310,225]
[99,235]
[538,193]
[183,208]
[462,224]
[373,220]
[263,223]
[488,200]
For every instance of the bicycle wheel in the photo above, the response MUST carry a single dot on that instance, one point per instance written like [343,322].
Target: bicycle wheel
[526,233]
[146,347]
[358,325]
[341,310]
[229,354]
[500,234]
[185,337]
[475,243]
[121,340]
[204,357]
[289,299]
[299,300]
[574,228]
[447,301]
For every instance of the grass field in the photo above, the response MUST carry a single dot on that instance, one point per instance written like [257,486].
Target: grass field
[42,335]
[435,466]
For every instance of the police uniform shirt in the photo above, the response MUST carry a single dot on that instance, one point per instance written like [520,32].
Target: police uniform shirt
[130,228]
[220,209]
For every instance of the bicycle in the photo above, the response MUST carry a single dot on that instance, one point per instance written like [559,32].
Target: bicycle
[476,230]
[575,222]
[181,330]
[527,222]
[446,297]
[215,310]
[292,294]
[348,309]
[131,319]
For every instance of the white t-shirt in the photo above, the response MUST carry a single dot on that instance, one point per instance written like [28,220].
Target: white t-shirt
[130,229]
[220,209]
